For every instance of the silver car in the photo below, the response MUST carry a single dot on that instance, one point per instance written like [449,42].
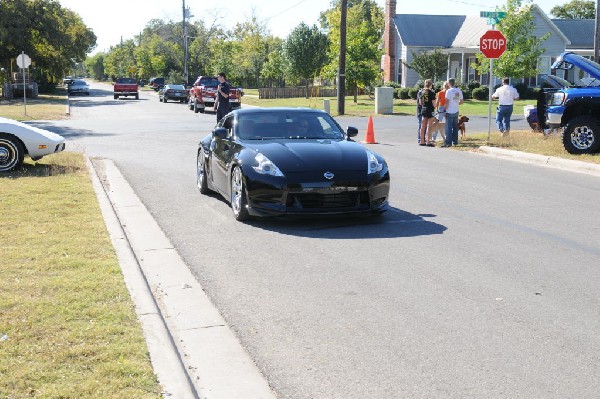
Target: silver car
[79,86]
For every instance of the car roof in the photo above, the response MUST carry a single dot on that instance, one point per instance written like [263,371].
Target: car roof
[259,110]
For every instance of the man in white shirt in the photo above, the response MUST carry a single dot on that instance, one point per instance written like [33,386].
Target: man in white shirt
[506,96]
[454,98]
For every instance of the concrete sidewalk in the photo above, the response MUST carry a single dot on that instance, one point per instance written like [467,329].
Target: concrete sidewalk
[193,351]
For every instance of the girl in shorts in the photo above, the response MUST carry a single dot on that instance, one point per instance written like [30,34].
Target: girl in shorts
[428,104]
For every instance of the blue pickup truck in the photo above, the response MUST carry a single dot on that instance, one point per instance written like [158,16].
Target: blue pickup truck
[575,108]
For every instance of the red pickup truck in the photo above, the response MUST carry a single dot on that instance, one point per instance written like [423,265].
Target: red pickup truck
[125,87]
[204,93]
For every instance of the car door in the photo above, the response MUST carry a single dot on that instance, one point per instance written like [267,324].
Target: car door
[223,151]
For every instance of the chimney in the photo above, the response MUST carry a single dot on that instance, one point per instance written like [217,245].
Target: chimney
[389,42]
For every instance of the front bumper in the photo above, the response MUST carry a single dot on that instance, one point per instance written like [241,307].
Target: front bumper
[309,193]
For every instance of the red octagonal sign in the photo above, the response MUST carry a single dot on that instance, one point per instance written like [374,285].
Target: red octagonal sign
[492,44]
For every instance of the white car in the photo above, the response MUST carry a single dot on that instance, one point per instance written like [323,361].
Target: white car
[18,139]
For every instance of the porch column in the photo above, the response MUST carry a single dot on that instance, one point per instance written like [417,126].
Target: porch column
[462,67]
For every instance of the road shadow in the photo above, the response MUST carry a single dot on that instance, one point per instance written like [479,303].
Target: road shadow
[68,132]
[394,223]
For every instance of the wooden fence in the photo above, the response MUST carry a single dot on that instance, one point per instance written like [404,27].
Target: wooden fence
[295,92]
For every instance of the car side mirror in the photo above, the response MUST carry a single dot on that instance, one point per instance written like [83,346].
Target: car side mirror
[220,132]
[351,131]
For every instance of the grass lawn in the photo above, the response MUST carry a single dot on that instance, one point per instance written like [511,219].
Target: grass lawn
[68,327]
[364,106]
[44,107]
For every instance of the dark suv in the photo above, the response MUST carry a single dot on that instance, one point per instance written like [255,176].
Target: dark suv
[575,108]
[157,83]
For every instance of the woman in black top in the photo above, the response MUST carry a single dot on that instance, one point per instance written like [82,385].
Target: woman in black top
[428,104]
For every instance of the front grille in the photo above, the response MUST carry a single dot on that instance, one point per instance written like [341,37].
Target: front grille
[328,201]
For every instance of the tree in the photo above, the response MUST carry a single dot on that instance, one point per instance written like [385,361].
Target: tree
[276,67]
[575,9]
[364,28]
[522,49]
[251,39]
[429,65]
[306,51]
[55,38]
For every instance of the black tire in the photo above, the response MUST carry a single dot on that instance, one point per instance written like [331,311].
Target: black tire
[137,96]
[196,109]
[165,100]
[582,135]
[201,173]
[238,198]
[12,153]
[190,105]
[116,97]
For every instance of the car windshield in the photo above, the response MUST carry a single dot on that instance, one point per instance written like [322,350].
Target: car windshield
[126,80]
[287,125]
[176,87]
[209,82]
[78,83]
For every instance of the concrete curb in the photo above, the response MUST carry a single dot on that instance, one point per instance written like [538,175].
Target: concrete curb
[544,160]
[214,363]
[163,352]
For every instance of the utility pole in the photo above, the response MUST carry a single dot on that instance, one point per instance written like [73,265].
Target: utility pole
[342,66]
[185,47]
[597,34]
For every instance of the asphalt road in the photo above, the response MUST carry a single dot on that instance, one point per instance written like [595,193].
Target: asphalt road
[481,281]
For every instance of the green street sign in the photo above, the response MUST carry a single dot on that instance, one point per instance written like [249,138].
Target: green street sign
[497,15]
[493,17]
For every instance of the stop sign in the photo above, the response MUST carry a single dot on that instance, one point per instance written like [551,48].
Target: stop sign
[492,44]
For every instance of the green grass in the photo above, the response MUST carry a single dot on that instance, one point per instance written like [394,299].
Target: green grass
[68,321]
[364,106]
[44,107]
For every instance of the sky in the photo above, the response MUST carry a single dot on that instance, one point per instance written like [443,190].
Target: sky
[117,19]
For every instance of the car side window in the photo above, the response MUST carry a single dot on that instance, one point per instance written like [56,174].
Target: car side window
[227,123]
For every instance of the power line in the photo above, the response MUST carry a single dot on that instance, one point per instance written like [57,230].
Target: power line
[284,11]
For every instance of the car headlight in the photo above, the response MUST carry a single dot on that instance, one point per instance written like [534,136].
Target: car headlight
[374,164]
[265,166]
[557,98]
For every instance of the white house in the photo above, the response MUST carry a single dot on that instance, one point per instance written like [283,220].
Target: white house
[458,36]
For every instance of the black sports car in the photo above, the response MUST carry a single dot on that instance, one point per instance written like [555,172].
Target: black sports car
[290,161]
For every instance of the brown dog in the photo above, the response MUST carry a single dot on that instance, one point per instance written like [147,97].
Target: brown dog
[462,119]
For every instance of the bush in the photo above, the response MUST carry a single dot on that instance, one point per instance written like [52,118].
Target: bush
[522,90]
[481,93]
[404,93]
[473,84]
[412,92]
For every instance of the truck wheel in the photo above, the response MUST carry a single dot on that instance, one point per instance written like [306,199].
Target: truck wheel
[196,109]
[582,135]
[116,96]
[137,96]
[11,153]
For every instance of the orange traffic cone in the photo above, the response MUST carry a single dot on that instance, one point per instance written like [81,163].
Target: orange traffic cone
[370,136]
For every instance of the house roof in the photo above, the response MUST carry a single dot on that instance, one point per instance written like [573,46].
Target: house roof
[470,32]
[580,32]
[417,30]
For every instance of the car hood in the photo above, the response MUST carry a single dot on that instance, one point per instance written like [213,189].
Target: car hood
[28,132]
[569,60]
[313,155]
[555,82]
